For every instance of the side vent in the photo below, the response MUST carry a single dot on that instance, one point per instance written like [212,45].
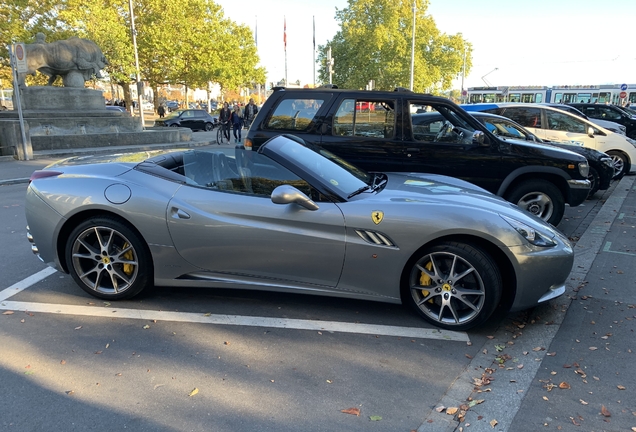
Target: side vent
[375,238]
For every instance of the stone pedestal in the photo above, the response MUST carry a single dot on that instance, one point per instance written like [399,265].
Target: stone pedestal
[66,118]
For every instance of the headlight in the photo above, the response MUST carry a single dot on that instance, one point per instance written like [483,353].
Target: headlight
[584,169]
[527,232]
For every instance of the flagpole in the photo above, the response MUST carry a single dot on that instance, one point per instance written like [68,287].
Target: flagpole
[285,42]
[314,21]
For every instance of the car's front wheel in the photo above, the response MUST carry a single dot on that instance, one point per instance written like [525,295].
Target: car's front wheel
[541,198]
[595,182]
[108,259]
[620,164]
[453,285]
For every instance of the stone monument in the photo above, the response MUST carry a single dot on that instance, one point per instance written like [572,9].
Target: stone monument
[58,118]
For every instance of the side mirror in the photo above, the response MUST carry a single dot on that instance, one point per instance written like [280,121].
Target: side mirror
[590,132]
[286,194]
[479,138]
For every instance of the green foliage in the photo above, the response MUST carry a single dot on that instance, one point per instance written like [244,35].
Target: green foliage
[375,43]
[184,42]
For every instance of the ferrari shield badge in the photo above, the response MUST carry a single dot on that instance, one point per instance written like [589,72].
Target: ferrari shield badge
[377,216]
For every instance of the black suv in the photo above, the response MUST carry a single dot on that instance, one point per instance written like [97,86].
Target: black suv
[402,131]
[611,113]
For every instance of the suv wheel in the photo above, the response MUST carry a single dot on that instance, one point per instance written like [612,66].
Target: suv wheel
[539,197]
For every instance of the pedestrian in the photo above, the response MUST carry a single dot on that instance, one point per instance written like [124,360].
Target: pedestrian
[161,111]
[249,113]
[224,118]
[236,119]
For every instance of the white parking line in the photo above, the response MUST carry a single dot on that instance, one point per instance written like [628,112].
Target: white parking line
[25,283]
[237,320]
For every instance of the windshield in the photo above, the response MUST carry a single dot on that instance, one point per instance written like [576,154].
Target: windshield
[174,114]
[337,174]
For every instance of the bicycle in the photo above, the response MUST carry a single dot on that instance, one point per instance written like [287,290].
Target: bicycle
[223,133]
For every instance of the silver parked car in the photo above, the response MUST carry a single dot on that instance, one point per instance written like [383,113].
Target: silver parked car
[292,218]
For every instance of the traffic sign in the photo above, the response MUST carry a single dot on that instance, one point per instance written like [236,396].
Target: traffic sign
[20,55]
[623,95]
[623,87]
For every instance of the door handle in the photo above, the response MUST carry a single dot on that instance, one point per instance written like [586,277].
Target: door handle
[177,213]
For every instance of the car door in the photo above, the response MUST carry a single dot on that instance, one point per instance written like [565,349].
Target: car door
[439,140]
[364,131]
[187,119]
[228,225]
[561,127]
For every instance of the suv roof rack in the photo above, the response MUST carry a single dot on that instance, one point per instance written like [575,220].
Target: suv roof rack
[331,86]
[403,89]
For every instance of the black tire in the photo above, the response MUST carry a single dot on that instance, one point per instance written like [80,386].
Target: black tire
[595,181]
[108,260]
[539,197]
[620,162]
[209,127]
[220,136]
[174,125]
[455,286]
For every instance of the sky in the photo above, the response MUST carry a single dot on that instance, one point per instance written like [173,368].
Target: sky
[538,42]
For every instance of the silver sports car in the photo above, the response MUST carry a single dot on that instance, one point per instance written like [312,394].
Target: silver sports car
[292,218]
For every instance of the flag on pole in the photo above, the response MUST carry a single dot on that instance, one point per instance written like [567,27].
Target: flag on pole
[285,32]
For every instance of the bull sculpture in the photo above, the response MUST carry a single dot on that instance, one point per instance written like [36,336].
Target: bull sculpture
[76,60]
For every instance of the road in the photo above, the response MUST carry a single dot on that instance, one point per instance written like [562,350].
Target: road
[200,360]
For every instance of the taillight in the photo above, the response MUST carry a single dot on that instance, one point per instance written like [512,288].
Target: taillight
[40,174]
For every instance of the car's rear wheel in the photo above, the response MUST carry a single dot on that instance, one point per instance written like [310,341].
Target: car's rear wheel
[454,285]
[620,163]
[595,181]
[108,260]
[209,127]
[541,198]
[174,125]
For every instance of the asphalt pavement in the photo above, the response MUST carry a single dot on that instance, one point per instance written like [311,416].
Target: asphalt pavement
[578,377]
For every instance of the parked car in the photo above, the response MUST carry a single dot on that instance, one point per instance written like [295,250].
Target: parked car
[609,112]
[559,126]
[539,179]
[172,105]
[601,165]
[195,119]
[117,108]
[292,218]
[609,125]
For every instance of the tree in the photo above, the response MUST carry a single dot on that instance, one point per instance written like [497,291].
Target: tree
[374,42]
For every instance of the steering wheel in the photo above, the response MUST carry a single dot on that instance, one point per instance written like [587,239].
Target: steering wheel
[446,127]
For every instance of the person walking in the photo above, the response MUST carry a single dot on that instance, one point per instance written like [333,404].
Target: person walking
[224,118]
[161,111]
[236,119]
[249,113]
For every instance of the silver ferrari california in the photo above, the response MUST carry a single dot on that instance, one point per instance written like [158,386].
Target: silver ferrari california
[292,218]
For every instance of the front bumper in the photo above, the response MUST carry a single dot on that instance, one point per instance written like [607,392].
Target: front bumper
[578,191]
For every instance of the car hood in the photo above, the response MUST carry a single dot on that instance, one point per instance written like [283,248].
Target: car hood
[541,148]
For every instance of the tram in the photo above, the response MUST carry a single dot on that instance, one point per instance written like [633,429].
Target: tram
[604,93]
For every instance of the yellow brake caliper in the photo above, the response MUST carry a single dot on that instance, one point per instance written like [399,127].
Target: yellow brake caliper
[128,268]
[425,279]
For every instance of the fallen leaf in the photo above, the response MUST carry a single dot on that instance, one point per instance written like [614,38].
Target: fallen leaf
[352,411]
[98,352]
[620,387]
[7,313]
[63,362]
[226,343]
[551,354]
[329,381]
[451,410]
[70,392]
[146,326]
[520,366]
[208,314]
[472,403]
[193,392]
[78,327]
[545,398]
[490,337]
[538,349]
[593,348]
[583,402]
[564,385]
[493,423]
[440,408]
[605,411]
[29,373]
[468,356]
[375,418]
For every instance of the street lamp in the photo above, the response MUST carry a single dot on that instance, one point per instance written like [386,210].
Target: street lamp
[413,47]
[483,78]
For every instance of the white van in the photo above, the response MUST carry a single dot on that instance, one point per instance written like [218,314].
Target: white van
[556,125]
